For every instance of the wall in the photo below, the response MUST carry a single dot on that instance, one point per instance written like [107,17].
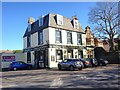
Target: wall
[52,61]
[18,57]
[113,57]
[32,57]
[25,42]
[84,39]
[46,35]
[51,35]
[64,37]
[34,39]
[74,38]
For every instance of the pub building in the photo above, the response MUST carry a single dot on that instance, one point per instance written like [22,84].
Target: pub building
[52,38]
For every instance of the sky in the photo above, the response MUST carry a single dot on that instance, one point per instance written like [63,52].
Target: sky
[15,16]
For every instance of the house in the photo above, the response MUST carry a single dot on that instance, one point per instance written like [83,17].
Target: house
[116,44]
[98,42]
[52,38]
[91,43]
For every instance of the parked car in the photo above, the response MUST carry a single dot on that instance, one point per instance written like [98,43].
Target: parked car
[19,65]
[85,62]
[102,62]
[70,64]
[93,62]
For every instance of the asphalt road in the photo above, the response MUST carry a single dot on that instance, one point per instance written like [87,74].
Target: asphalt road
[97,77]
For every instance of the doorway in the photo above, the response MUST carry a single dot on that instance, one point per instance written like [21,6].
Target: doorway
[41,59]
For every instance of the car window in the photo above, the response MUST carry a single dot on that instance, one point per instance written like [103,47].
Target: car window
[21,63]
[12,63]
[65,60]
[69,60]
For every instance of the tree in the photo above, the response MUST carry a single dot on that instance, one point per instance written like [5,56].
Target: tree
[104,17]
[17,51]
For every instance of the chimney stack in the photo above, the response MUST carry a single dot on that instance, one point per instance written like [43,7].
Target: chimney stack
[31,20]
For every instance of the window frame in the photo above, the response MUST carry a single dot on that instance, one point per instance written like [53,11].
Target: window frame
[79,38]
[61,54]
[41,21]
[28,40]
[40,37]
[59,19]
[69,38]
[28,57]
[58,38]
[76,25]
[29,27]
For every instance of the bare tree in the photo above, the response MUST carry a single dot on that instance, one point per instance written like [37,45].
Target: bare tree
[104,18]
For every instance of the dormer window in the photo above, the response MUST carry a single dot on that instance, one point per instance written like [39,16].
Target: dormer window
[59,19]
[75,22]
[41,21]
[29,27]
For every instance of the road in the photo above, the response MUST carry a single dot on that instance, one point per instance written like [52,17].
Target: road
[97,77]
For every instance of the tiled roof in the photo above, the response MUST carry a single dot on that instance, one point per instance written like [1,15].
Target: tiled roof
[50,20]
[67,24]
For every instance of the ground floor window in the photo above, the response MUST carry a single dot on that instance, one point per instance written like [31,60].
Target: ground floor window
[70,53]
[28,57]
[80,54]
[59,54]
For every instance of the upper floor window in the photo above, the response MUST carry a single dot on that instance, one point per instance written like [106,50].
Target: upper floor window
[58,36]
[79,38]
[40,37]
[28,41]
[69,37]
[59,19]
[41,19]
[76,26]
[29,27]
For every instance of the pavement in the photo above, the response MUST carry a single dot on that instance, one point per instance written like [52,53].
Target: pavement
[88,78]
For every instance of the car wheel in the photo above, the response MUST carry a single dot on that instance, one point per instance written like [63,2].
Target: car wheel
[59,67]
[14,68]
[71,68]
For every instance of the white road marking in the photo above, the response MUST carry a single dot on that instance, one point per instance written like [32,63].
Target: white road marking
[56,82]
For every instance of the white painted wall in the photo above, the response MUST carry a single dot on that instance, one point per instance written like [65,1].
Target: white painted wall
[74,38]
[52,52]
[34,39]
[32,57]
[25,42]
[45,35]
[51,35]
[64,37]
[84,39]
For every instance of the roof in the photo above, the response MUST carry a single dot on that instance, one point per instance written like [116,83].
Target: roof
[35,26]
[98,40]
[50,20]
[67,24]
